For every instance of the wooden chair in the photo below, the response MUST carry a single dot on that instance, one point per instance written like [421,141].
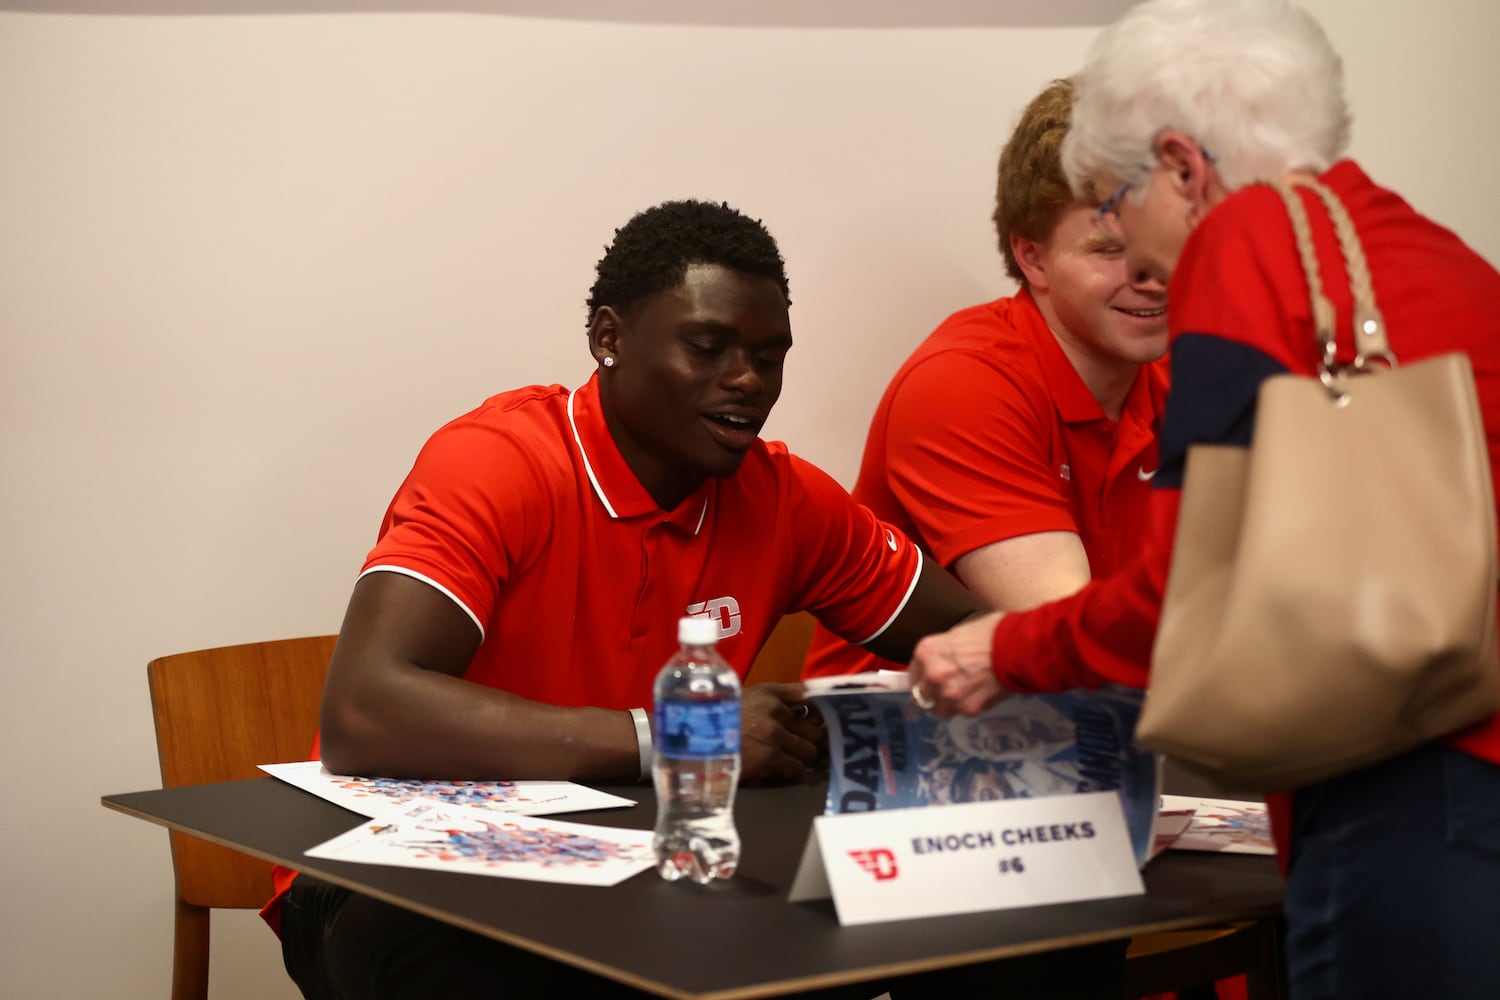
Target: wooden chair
[219,713]
[780,659]
[1155,963]
[1173,960]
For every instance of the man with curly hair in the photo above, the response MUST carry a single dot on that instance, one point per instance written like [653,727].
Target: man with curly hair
[529,574]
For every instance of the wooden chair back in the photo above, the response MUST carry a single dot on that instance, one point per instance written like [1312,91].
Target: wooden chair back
[780,659]
[220,712]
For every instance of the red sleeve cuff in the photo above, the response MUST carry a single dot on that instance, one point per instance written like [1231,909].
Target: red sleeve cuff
[1087,640]
[1026,654]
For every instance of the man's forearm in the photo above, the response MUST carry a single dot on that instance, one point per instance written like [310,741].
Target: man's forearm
[431,725]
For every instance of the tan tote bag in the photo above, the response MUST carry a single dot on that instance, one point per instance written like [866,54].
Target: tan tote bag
[1331,601]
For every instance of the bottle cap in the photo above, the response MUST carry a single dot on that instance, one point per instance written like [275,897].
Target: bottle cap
[699,631]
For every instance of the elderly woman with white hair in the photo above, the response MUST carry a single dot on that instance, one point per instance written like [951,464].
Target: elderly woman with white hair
[1183,109]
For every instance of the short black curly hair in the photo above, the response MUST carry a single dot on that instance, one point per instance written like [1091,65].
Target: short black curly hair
[651,253]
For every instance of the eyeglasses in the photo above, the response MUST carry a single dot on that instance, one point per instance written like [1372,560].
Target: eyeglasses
[1110,206]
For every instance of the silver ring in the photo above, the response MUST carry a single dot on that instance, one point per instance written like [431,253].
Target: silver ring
[924,702]
[801,710]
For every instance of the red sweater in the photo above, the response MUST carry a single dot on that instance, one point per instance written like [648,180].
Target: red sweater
[1239,313]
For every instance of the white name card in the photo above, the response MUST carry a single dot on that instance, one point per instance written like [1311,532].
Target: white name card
[894,864]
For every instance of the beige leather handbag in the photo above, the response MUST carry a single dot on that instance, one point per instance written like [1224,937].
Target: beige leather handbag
[1332,594]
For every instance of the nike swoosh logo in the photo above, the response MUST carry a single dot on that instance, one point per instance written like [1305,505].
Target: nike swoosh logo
[890,539]
[1143,475]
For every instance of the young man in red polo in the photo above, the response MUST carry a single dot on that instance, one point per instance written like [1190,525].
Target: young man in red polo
[529,574]
[1017,443]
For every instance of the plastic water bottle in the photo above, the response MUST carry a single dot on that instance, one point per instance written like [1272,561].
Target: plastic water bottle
[697,762]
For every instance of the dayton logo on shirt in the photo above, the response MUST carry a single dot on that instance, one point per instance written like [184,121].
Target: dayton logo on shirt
[725,611]
[878,861]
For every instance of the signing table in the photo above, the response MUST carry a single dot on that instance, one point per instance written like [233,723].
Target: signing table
[627,932]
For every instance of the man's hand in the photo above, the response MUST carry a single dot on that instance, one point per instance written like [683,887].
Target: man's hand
[952,669]
[779,738]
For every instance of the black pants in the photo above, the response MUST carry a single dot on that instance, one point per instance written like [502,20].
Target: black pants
[1394,888]
[340,945]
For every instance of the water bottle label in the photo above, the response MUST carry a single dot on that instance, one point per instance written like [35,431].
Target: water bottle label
[697,729]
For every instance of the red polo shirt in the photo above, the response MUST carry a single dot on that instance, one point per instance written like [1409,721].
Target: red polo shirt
[988,433]
[525,513]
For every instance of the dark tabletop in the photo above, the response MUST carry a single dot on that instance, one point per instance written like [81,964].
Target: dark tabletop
[626,931]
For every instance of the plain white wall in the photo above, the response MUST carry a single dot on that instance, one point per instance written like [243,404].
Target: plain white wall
[248,261]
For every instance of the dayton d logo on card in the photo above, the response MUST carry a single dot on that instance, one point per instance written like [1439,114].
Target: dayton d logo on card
[878,861]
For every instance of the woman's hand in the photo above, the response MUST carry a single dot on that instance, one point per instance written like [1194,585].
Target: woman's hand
[950,671]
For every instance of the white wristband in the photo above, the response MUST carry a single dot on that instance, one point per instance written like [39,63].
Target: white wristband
[643,741]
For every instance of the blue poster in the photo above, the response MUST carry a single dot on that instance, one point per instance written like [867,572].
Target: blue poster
[886,753]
